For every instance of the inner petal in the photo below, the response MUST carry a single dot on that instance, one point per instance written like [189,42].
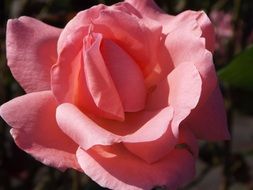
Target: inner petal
[127,76]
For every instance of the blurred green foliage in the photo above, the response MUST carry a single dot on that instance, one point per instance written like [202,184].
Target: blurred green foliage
[239,72]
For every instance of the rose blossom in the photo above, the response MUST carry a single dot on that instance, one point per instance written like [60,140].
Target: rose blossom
[122,93]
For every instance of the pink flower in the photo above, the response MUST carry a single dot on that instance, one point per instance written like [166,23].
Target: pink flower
[122,93]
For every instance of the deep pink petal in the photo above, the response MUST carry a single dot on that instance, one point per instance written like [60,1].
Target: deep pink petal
[209,120]
[126,75]
[34,129]
[115,168]
[31,52]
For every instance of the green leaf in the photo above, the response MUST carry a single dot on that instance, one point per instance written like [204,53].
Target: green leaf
[239,73]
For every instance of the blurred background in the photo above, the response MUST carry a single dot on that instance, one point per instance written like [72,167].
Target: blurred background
[222,166]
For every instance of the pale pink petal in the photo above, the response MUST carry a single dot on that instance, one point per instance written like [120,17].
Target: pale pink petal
[34,129]
[31,52]
[126,76]
[79,127]
[139,130]
[203,22]
[209,120]
[153,140]
[185,89]
[188,47]
[99,80]
[115,168]
[181,89]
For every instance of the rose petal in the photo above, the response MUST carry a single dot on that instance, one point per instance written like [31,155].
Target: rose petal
[184,92]
[155,139]
[81,21]
[119,169]
[207,30]
[139,130]
[202,21]
[72,86]
[188,47]
[181,89]
[125,71]
[65,74]
[31,52]
[132,35]
[81,128]
[149,9]
[99,81]
[209,121]
[34,129]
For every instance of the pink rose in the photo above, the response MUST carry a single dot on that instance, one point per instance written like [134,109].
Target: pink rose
[122,93]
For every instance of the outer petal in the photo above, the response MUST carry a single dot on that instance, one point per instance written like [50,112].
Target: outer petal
[31,51]
[34,129]
[115,168]
[139,130]
[207,29]
[181,90]
[209,121]
[189,47]
[149,9]
[203,22]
